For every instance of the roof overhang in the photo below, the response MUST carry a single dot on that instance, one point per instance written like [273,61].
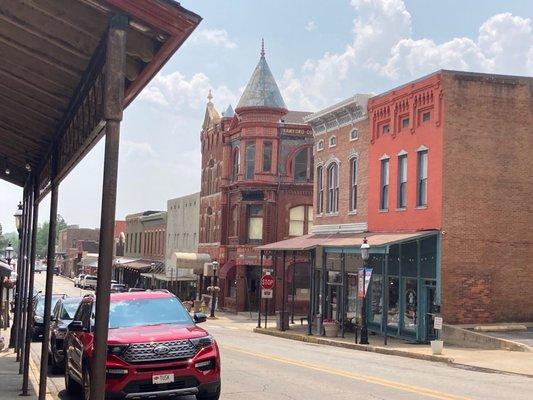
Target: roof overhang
[51,77]
[378,241]
[192,261]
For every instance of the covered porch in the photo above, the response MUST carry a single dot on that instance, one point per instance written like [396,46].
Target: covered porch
[68,70]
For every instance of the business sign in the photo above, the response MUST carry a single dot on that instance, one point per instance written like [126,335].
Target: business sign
[364,275]
[267,293]
[437,323]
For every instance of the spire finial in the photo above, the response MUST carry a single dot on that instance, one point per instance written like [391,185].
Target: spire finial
[262,47]
[210,96]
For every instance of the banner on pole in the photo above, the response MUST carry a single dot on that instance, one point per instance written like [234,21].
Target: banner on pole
[364,276]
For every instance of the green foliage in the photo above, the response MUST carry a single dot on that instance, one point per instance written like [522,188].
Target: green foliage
[41,248]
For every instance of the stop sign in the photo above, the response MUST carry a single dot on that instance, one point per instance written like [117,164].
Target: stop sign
[267,282]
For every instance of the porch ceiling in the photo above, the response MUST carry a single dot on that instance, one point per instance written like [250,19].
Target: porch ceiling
[49,50]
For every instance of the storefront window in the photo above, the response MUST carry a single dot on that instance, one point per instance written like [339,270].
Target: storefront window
[428,257]
[410,304]
[409,259]
[352,295]
[393,317]
[376,310]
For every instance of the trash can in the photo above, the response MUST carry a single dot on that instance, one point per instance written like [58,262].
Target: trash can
[282,318]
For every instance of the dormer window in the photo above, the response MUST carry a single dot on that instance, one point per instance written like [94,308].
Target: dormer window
[354,134]
[320,145]
[333,141]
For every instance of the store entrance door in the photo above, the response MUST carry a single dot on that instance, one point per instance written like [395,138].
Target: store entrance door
[429,304]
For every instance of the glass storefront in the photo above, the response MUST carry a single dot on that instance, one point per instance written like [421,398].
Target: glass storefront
[402,291]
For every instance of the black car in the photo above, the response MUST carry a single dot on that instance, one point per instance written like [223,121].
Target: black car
[38,314]
[62,315]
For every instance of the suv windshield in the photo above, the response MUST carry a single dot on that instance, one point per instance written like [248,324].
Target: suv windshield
[69,309]
[39,308]
[168,310]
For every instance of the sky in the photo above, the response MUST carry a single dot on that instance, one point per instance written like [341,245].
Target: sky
[320,52]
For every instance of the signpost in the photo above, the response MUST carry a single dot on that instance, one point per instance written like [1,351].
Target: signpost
[437,323]
[267,286]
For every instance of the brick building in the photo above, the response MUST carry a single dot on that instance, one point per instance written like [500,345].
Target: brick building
[257,172]
[68,237]
[448,215]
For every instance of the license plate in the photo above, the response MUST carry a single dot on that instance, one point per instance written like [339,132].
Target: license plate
[163,378]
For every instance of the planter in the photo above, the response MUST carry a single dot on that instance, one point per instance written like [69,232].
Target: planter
[9,284]
[331,329]
[436,347]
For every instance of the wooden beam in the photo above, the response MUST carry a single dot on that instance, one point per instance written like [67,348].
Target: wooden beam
[35,125]
[31,102]
[134,68]
[15,136]
[27,109]
[140,46]
[19,41]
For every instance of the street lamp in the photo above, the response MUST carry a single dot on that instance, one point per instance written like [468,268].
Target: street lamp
[9,253]
[18,219]
[365,255]
[213,289]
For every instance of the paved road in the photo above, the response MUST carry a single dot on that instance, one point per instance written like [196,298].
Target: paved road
[259,367]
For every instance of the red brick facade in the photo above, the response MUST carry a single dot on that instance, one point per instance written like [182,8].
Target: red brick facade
[257,165]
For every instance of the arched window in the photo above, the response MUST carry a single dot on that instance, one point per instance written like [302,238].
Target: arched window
[354,134]
[320,145]
[353,183]
[208,227]
[236,164]
[235,220]
[333,141]
[333,188]
[320,190]
[302,165]
[210,176]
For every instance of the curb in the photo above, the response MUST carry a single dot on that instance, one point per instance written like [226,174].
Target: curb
[52,393]
[353,346]
[382,350]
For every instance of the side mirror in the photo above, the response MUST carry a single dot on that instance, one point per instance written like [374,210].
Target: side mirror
[75,326]
[199,318]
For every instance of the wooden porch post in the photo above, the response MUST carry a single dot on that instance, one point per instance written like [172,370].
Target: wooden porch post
[113,107]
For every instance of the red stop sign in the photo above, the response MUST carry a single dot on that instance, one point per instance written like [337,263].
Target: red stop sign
[267,282]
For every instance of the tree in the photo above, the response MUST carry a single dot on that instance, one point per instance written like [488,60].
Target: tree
[41,249]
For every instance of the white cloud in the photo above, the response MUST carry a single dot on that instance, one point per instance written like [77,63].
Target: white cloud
[382,43]
[175,92]
[217,37]
[311,26]
[138,149]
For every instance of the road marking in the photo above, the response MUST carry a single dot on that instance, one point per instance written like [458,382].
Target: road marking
[353,375]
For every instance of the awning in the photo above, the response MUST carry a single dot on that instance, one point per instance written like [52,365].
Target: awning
[375,239]
[163,277]
[138,265]
[194,261]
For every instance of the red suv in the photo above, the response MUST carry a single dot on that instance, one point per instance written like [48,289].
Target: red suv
[155,349]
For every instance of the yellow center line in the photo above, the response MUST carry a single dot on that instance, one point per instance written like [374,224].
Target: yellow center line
[352,375]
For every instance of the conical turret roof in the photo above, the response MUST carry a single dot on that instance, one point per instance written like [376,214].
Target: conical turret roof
[262,89]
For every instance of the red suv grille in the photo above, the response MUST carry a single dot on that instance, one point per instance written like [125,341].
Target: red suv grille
[159,351]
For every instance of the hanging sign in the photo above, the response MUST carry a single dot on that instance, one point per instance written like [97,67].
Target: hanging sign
[267,293]
[437,323]
[364,275]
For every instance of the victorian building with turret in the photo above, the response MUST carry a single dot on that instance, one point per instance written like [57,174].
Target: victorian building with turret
[257,188]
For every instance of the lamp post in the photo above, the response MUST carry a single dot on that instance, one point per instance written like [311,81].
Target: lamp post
[365,255]
[8,252]
[213,289]
[18,225]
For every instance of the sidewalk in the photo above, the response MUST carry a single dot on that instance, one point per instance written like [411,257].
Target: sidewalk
[501,361]
[10,380]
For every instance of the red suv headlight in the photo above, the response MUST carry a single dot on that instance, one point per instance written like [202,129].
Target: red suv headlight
[117,349]
[202,342]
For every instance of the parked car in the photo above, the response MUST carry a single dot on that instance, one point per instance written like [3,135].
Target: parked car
[63,314]
[78,280]
[89,282]
[118,288]
[40,267]
[155,349]
[38,314]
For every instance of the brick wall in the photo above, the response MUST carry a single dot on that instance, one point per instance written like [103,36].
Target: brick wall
[487,251]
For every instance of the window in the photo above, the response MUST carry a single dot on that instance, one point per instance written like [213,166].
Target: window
[300,220]
[422,168]
[236,164]
[333,188]
[250,160]
[267,156]
[354,134]
[353,184]
[333,141]
[320,145]
[386,128]
[208,227]
[235,220]
[302,166]
[426,116]
[402,181]
[405,123]
[320,190]
[255,222]
[384,194]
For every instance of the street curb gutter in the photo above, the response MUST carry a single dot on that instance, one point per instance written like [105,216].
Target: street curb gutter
[382,350]
[353,346]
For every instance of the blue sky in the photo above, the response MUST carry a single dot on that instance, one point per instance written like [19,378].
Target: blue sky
[319,51]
